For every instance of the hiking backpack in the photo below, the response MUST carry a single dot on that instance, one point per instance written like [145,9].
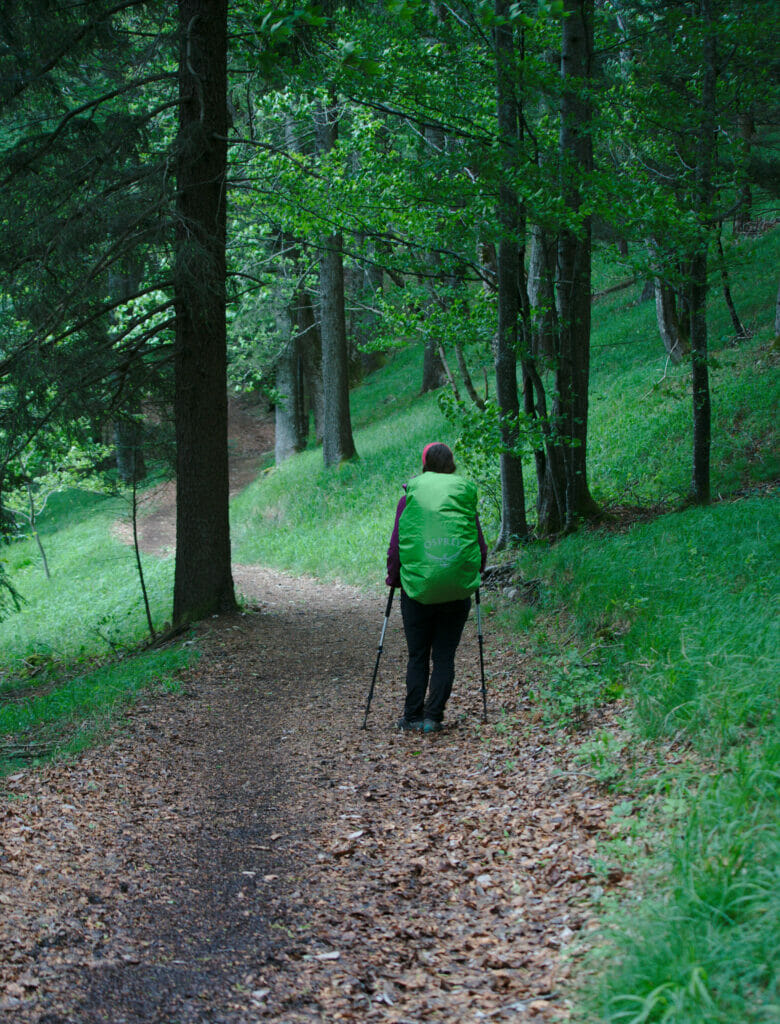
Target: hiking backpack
[437,539]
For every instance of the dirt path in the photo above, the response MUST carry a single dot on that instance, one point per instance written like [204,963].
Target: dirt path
[242,851]
[251,441]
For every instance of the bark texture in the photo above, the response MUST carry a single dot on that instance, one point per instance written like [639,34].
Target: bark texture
[564,496]
[674,338]
[705,161]
[514,525]
[310,350]
[541,295]
[289,412]
[203,580]
[337,441]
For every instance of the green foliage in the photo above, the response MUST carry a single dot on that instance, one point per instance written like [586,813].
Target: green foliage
[672,615]
[704,949]
[85,131]
[477,448]
[570,685]
[46,469]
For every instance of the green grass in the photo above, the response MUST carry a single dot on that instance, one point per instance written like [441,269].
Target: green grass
[677,615]
[701,947]
[684,613]
[70,716]
[92,606]
[680,616]
[639,447]
[60,680]
[336,523]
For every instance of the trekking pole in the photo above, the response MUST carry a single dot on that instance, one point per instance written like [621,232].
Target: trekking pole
[481,656]
[379,653]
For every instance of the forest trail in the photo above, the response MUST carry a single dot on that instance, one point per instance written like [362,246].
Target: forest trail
[243,851]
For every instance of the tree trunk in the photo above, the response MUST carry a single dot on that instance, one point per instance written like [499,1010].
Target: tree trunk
[675,342]
[736,323]
[310,348]
[570,407]
[337,442]
[289,420]
[777,313]
[541,296]
[373,286]
[674,331]
[705,162]
[700,385]
[304,331]
[514,525]
[203,581]
[746,130]
[434,374]
[138,562]
[34,528]
[291,426]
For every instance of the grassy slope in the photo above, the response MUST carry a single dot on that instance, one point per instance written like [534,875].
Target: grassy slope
[56,693]
[300,517]
[337,523]
[680,614]
[93,600]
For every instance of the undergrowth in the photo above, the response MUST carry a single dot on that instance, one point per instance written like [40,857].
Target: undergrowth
[68,717]
[677,614]
[92,606]
[69,659]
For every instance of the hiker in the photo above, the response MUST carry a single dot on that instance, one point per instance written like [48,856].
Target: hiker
[436,555]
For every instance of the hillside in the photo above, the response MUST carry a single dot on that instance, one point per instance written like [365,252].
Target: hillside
[605,848]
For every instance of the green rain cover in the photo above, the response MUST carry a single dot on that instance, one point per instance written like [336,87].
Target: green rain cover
[437,538]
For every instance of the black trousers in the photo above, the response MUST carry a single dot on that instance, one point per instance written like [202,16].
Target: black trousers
[432,631]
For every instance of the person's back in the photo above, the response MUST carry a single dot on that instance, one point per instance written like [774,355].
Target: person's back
[436,554]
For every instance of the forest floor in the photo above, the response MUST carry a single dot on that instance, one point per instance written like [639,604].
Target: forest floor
[243,851]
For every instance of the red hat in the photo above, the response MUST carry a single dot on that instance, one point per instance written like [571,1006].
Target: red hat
[425,450]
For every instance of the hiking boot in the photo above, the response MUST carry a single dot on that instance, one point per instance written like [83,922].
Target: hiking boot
[430,725]
[409,725]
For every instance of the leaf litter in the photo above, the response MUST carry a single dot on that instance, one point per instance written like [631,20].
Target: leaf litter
[243,851]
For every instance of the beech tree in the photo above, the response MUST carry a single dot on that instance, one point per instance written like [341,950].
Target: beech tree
[514,526]
[337,442]
[572,285]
